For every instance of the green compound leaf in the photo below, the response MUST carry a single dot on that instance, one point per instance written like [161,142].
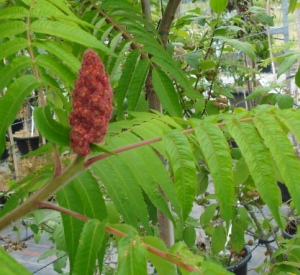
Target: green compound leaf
[51,129]
[69,32]
[182,162]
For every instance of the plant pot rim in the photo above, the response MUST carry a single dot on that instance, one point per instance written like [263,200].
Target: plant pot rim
[23,138]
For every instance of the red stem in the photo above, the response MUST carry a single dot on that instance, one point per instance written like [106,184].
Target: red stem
[166,256]
[92,160]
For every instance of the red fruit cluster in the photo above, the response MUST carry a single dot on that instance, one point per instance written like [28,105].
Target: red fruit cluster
[92,104]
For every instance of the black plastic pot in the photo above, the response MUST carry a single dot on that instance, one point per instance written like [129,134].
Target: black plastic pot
[27,144]
[239,99]
[5,155]
[17,125]
[285,195]
[241,267]
[291,229]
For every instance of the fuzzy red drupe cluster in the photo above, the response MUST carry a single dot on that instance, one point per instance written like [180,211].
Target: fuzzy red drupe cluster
[92,104]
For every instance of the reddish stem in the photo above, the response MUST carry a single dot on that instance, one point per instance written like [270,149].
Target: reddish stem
[92,160]
[166,256]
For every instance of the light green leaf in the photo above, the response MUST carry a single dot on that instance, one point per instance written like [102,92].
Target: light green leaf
[292,6]
[68,197]
[218,239]
[166,93]
[218,6]
[259,163]
[56,67]
[287,63]
[282,152]
[161,265]
[51,129]
[237,235]
[89,193]
[11,102]
[217,156]
[89,244]
[132,256]
[284,101]
[9,266]
[12,46]
[189,236]
[182,162]
[239,45]
[58,50]
[10,71]
[11,28]
[207,64]
[16,12]
[69,32]
[143,160]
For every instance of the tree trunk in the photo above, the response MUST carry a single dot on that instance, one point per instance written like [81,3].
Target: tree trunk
[166,230]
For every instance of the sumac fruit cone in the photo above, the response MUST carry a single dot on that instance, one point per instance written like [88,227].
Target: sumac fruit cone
[91,103]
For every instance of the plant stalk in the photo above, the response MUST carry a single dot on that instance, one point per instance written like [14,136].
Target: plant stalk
[167,256]
[44,193]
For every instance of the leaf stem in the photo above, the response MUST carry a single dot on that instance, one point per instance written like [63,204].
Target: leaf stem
[167,256]
[94,159]
[44,193]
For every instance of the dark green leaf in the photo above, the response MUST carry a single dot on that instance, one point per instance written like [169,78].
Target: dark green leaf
[166,93]
[51,129]
[11,102]
[297,78]
[218,239]
[137,83]
[126,78]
